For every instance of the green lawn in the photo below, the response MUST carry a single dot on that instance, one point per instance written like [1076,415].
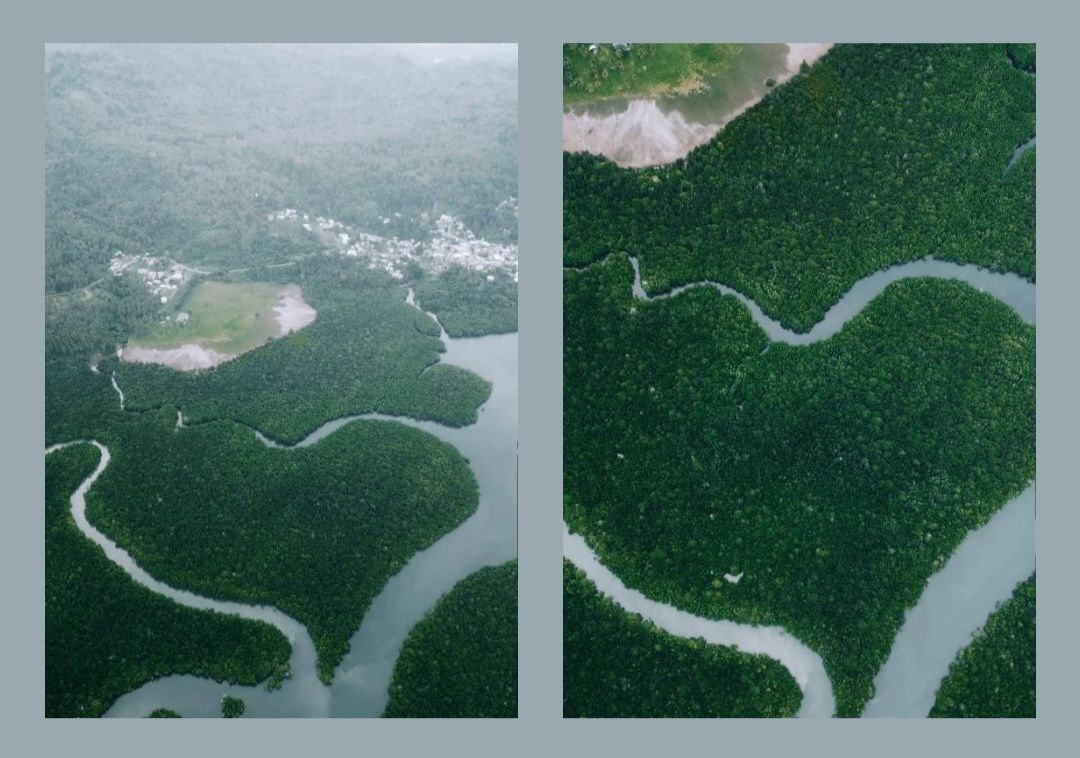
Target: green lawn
[643,70]
[228,317]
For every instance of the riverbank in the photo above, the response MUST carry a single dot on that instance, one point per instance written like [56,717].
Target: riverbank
[655,131]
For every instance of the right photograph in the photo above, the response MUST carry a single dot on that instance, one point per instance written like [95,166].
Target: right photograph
[799,380]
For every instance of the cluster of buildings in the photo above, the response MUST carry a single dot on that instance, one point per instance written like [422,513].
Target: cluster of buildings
[451,244]
[454,245]
[162,275]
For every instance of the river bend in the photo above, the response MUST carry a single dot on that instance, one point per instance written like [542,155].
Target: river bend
[955,604]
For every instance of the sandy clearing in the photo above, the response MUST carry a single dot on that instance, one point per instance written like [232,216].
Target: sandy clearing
[640,136]
[189,357]
[292,312]
[804,52]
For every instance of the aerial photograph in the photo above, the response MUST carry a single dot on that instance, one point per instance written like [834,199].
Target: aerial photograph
[281,380]
[799,380]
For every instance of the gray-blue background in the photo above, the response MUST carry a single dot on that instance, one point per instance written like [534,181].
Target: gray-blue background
[540,28]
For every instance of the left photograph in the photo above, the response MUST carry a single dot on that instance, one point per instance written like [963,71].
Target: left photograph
[281,380]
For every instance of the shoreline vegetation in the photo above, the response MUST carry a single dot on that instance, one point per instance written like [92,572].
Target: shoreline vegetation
[344,514]
[399,488]
[651,127]
[994,676]
[460,660]
[470,303]
[699,413]
[163,713]
[364,353]
[617,665]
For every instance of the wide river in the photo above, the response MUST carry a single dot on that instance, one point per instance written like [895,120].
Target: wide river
[361,681]
[982,572]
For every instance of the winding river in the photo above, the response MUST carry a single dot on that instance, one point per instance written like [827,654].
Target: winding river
[804,664]
[982,572]
[361,682]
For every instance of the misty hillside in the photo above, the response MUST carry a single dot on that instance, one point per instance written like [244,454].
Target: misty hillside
[184,149]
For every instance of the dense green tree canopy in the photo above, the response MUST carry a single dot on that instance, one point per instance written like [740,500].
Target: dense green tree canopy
[314,531]
[837,476]
[344,515]
[460,661]
[232,707]
[467,304]
[368,350]
[1023,56]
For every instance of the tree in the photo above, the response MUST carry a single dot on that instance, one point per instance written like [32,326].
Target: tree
[232,707]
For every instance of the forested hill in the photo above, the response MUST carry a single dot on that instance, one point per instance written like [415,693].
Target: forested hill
[184,149]
[879,154]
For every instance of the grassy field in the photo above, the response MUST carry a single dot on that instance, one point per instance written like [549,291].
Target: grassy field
[643,70]
[228,317]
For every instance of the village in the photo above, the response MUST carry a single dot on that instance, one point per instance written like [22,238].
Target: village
[162,275]
[451,244]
